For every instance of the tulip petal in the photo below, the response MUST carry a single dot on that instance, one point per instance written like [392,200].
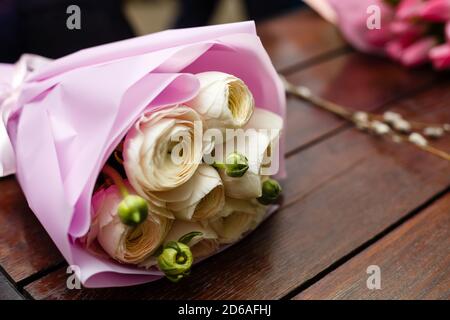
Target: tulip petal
[436,10]
[418,52]
[440,56]
[409,9]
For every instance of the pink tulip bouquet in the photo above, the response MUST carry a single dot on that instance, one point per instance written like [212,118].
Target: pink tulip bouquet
[145,156]
[412,32]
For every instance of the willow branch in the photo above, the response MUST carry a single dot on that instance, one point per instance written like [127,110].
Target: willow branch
[372,119]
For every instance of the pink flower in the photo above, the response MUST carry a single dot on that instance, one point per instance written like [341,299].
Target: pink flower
[412,55]
[119,240]
[379,37]
[409,9]
[352,20]
[447,31]
[440,56]
[418,52]
[395,49]
[436,10]
[408,30]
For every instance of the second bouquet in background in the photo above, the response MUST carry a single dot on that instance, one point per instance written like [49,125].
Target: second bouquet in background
[187,179]
[412,32]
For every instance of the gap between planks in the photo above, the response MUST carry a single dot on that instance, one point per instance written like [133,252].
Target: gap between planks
[344,259]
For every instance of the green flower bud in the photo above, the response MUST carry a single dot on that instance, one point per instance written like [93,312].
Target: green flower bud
[133,210]
[271,190]
[236,165]
[175,260]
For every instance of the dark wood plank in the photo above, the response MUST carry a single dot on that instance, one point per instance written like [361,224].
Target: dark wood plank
[289,41]
[341,193]
[25,247]
[7,289]
[414,261]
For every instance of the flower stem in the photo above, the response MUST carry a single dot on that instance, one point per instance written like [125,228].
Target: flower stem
[437,152]
[116,178]
[306,94]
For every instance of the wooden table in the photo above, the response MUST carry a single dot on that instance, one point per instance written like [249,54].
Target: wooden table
[350,200]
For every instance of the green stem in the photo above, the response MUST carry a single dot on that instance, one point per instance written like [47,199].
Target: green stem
[219,165]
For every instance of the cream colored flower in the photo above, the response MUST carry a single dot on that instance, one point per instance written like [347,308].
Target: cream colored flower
[237,218]
[223,100]
[123,243]
[262,133]
[246,187]
[201,246]
[162,152]
[206,196]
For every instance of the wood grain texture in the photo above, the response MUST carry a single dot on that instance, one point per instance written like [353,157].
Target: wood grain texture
[361,81]
[414,261]
[344,192]
[25,247]
[289,41]
[7,289]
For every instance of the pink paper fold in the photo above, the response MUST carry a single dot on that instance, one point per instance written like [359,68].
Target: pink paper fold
[72,112]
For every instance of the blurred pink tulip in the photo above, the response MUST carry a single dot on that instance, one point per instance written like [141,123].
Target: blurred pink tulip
[409,9]
[440,56]
[411,30]
[447,31]
[394,49]
[378,37]
[406,32]
[352,18]
[418,52]
[436,10]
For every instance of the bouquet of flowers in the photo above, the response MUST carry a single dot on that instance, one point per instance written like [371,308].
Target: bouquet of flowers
[412,32]
[143,156]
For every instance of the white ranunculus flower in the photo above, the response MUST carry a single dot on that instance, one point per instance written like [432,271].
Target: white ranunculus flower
[205,196]
[123,243]
[246,187]
[162,152]
[202,245]
[237,218]
[263,132]
[223,100]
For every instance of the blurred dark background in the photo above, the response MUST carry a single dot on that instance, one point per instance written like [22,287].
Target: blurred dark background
[39,26]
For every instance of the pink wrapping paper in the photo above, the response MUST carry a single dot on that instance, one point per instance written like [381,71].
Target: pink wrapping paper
[67,117]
